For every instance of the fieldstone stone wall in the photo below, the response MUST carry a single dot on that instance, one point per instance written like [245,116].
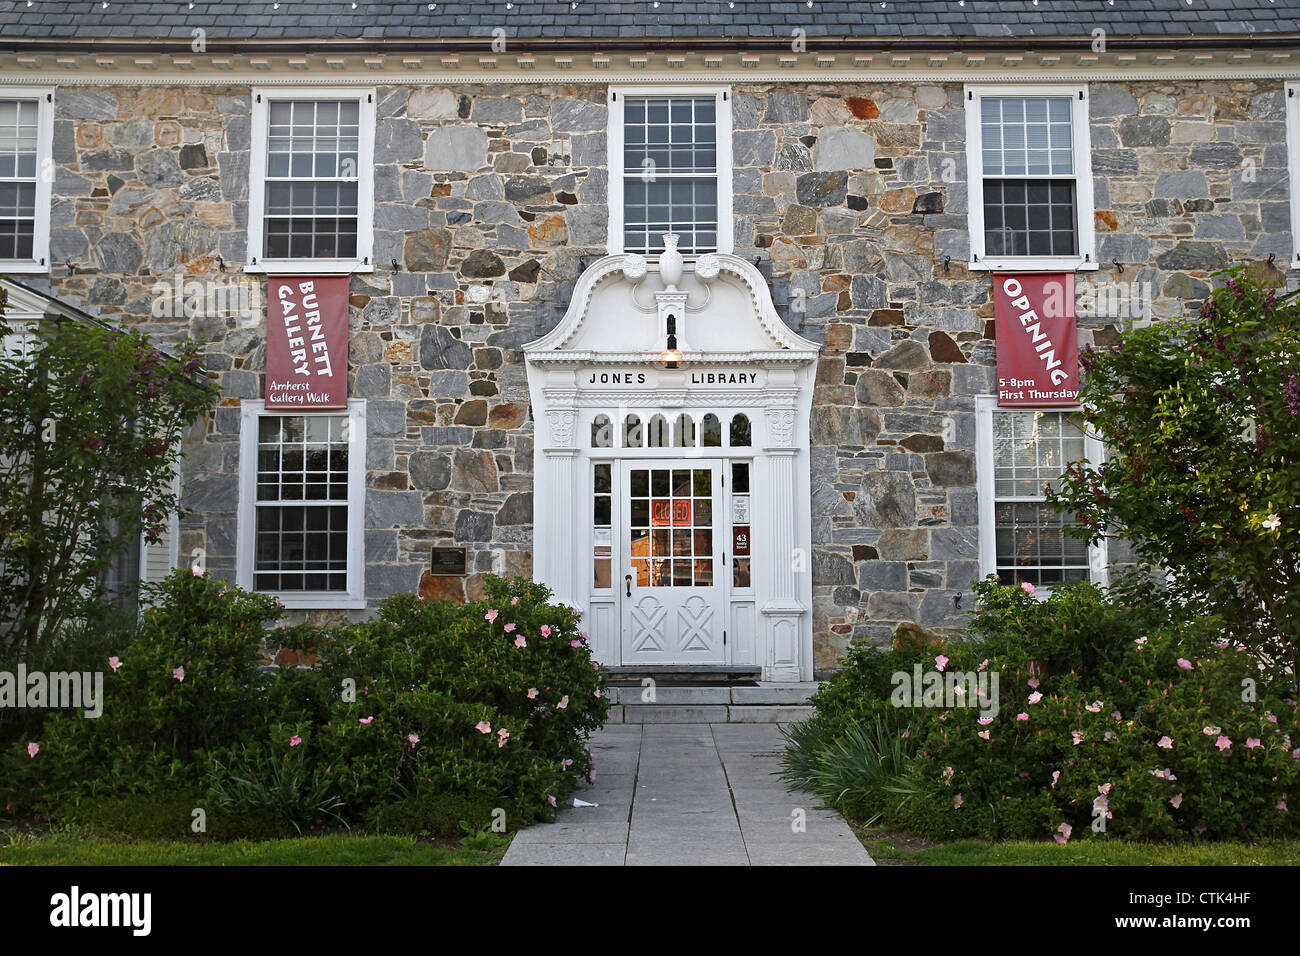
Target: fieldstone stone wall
[490,199]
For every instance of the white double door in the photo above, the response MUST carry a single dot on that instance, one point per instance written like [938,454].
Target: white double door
[672,584]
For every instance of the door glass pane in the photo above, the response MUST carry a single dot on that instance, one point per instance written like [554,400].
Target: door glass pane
[670,534]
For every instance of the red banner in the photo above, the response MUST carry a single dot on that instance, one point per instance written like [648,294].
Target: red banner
[307,342]
[1038,339]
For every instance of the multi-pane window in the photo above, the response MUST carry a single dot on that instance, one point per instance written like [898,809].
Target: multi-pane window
[671,527]
[602,525]
[1030,186]
[1030,452]
[26,132]
[312,188]
[18,138]
[671,170]
[301,505]
[670,173]
[1027,145]
[312,171]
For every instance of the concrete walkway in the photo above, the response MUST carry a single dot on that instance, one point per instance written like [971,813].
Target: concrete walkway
[689,794]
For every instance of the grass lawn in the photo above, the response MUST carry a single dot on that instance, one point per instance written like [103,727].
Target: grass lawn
[65,848]
[899,849]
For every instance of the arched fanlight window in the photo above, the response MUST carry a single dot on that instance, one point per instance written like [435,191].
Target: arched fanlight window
[684,431]
[632,432]
[602,432]
[711,432]
[740,433]
[657,433]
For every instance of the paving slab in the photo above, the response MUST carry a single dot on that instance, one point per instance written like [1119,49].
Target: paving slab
[690,794]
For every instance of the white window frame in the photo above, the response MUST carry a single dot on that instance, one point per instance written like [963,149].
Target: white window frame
[43,96]
[1095,450]
[614,139]
[1291,92]
[1083,194]
[364,261]
[355,595]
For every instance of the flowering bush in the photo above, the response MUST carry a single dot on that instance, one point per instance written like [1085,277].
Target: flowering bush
[1113,716]
[1202,419]
[490,701]
[430,715]
[187,684]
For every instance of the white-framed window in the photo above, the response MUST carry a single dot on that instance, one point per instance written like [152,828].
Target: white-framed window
[311,189]
[1293,162]
[670,168]
[302,505]
[26,175]
[1022,537]
[1029,166]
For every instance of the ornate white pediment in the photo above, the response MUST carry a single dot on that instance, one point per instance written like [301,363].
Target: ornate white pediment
[722,312]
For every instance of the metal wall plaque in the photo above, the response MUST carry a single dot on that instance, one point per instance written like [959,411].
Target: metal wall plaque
[448,561]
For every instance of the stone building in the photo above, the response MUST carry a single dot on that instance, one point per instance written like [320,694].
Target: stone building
[793,446]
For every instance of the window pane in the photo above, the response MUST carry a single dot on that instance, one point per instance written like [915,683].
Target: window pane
[1017,131]
[312,168]
[1029,218]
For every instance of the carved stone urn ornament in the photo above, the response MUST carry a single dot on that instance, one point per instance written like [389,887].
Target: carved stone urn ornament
[670,263]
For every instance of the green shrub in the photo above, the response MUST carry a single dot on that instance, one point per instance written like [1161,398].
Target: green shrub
[188,682]
[426,716]
[1113,716]
[276,780]
[491,701]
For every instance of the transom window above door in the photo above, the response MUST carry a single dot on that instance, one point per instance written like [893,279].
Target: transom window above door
[670,170]
[682,430]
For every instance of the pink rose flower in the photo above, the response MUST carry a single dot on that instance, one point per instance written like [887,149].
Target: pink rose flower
[491,615]
[1062,834]
[365,720]
[179,673]
[520,642]
[114,663]
[1176,800]
[957,801]
[413,738]
[1027,587]
[564,702]
[483,727]
[575,644]
[33,749]
[508,628]
[532,693]
[1184,663]
[514,601]
[1252,743]
[1022,716]
[550,799]
[1223,743]
[546,630]
[940,662]
[295,740]
[1166,742]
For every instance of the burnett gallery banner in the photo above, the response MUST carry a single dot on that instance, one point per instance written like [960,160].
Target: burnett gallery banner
[1037,338]
[307,342]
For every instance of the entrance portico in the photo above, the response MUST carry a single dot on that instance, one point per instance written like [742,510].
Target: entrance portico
[672,490]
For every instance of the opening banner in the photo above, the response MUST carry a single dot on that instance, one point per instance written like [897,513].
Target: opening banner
[1037,339]
[307,342]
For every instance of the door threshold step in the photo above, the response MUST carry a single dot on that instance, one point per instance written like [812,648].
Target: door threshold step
[657,695]
[724,674]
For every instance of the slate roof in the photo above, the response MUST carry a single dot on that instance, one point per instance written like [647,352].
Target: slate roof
[615,21]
